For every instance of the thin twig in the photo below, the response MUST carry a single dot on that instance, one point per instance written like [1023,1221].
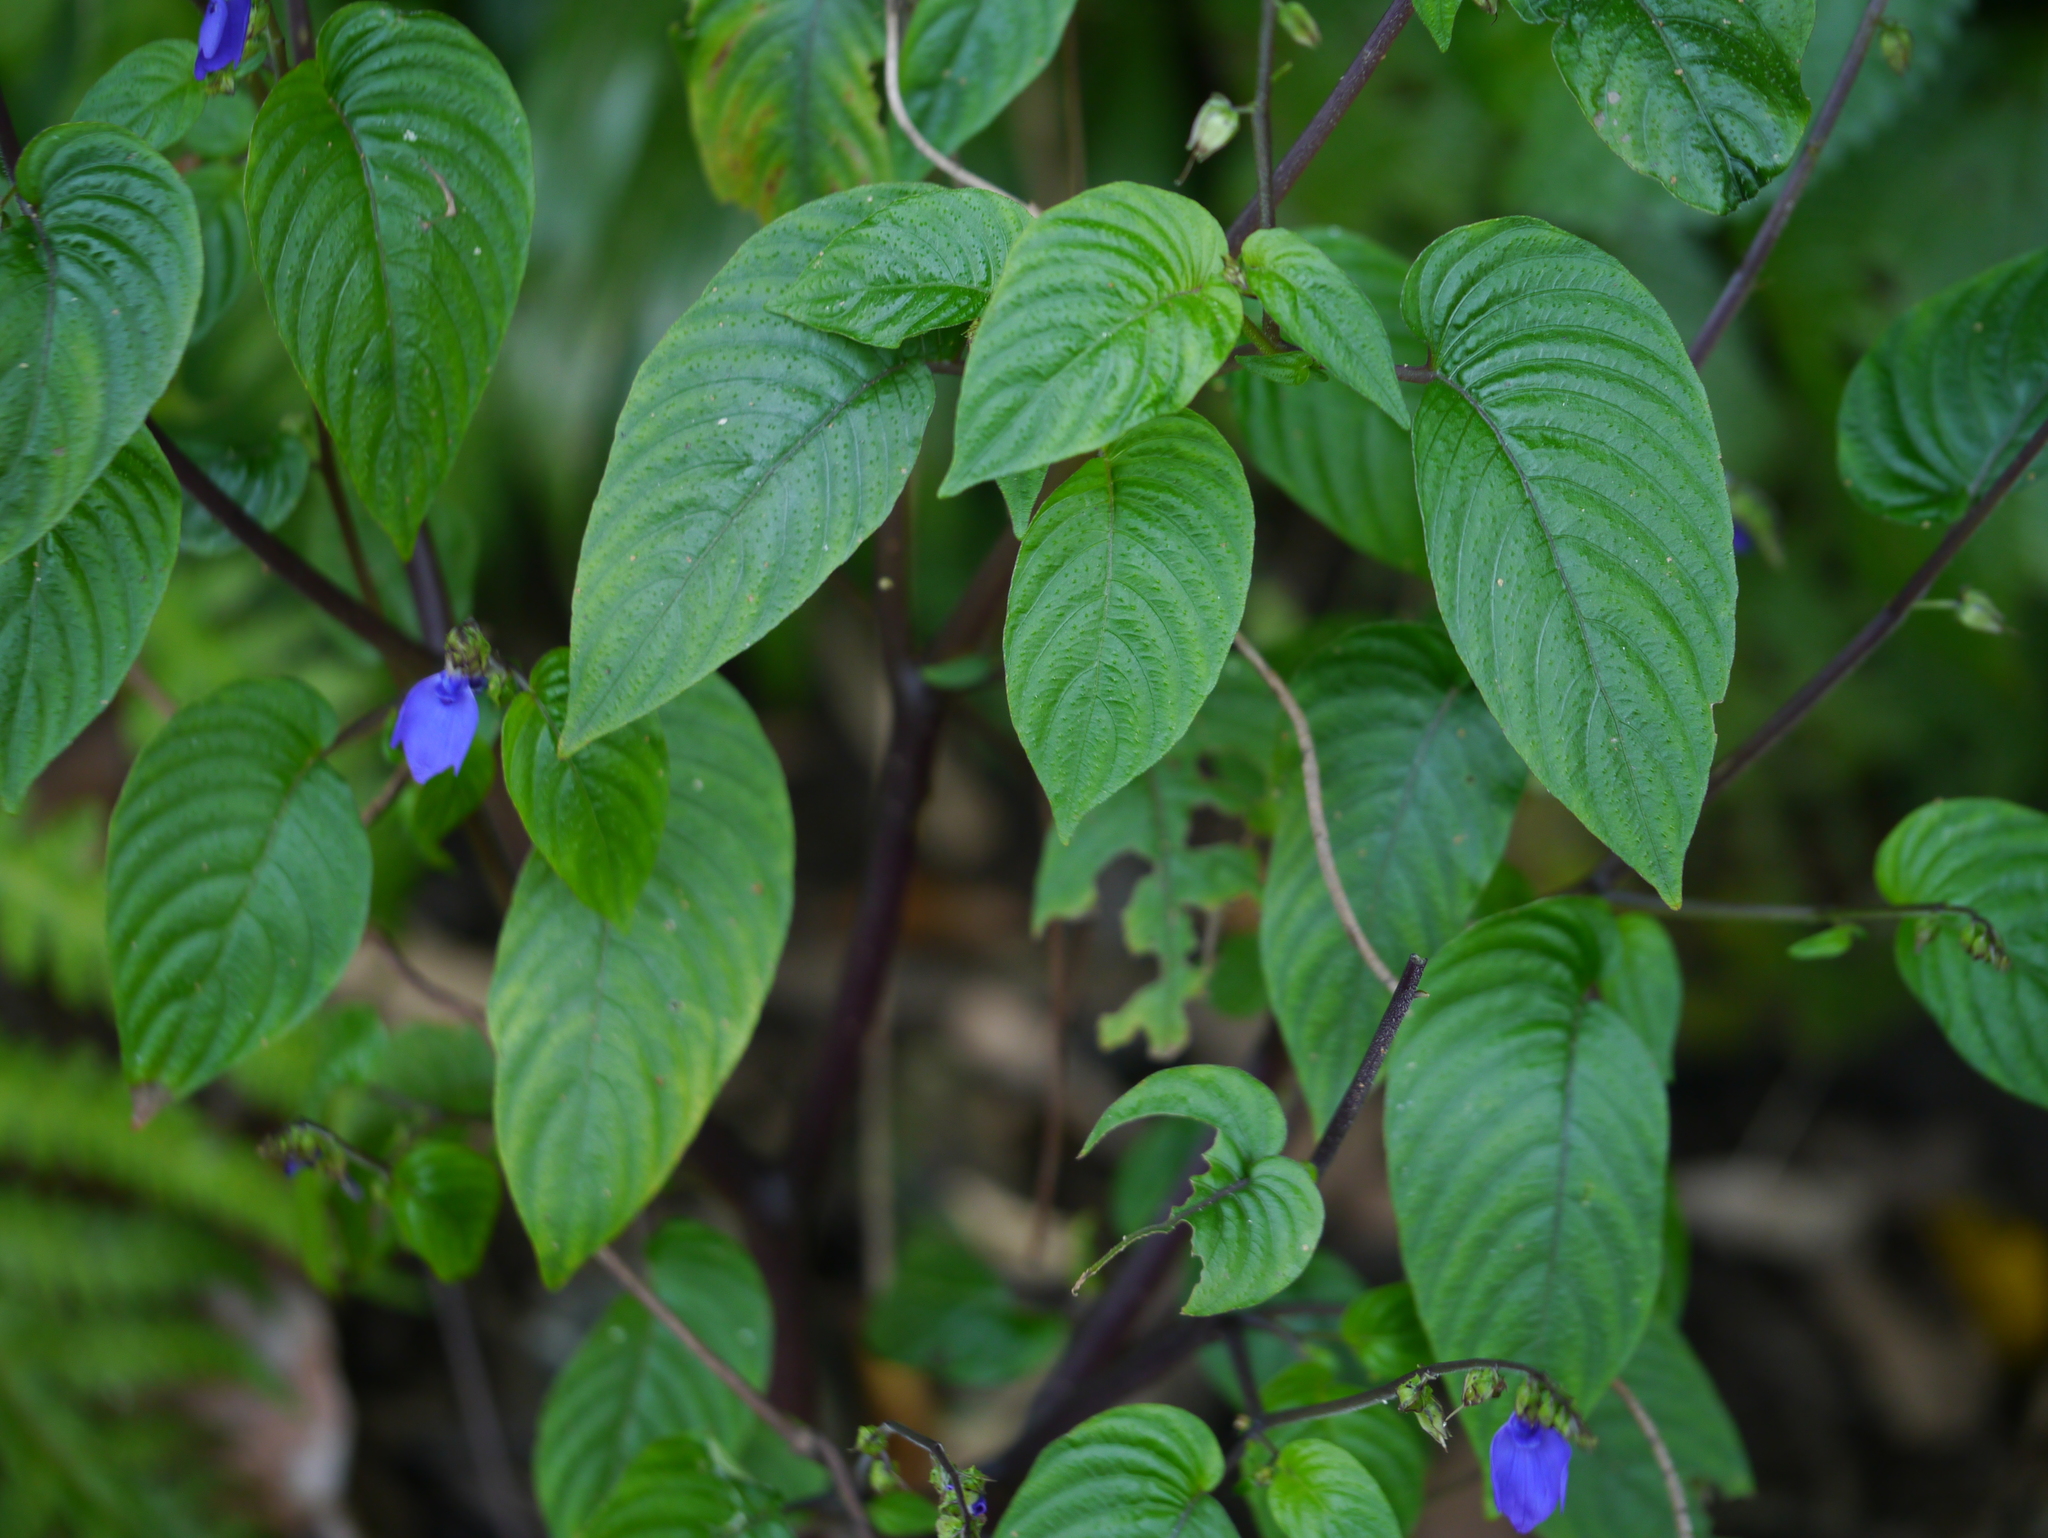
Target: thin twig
[298,32]
[150,691]
[936,1451]
[1319,826]
[1241,1366]
[892,70]
[1332,111]
[1745,276]
[1387,1392]
[381,802]
[1795,913]
[1405,993]
[1681,1509]
[1262,112]
[337,497]
[1409,373]
[799,1438]
[497,1483]
[429,590]
[448,999]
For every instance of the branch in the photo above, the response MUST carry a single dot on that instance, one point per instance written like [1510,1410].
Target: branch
[1681,1509]
[936,1451]
[463,1008]
[892,70]
[1262,113]
[429,591]
[406,658]
[1387,1392]
[1797,913]
[1405,994]
[1751,268]
[1332,111]
[799,1438]
[1319,826]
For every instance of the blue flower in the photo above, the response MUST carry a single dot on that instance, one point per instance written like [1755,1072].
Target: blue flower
[435,724]
[1530,1463]
[1744,540]
[223,35]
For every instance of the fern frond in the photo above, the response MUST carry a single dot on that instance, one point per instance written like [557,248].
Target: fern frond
[53,903]
[61,1252]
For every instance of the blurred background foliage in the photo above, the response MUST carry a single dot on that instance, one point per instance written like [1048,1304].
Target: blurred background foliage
[126,1271]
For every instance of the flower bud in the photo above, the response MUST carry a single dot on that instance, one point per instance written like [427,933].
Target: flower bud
[1215,126]
[1895,42]
[436,725]
[223,36]
[1531,1464]
[1300,25]
[1976,611]
[1484,1384]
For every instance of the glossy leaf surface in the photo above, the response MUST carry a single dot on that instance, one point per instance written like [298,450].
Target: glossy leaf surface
[1321,311]
[150,92]
[1143,1471]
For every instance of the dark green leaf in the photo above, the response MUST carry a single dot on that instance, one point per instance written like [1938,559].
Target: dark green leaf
[75,606]
[613,1039]
[1523,1109]
[1578,525]
[1420,789]
[753,455]
[1113,310]
[97,295]
[223,236]
[783,98]
[1127,592]
[596,815]
[948,1313]
[1143,1471]
[917,263]
[1320,310]
[238,881]
[390,198]
[1991,857]
[1942,405]
[965,60]
[1153,1170]
[1385,1333]
[1320,1491]
[1640,978]
[223,128]
[444,1200]
[267,479]
[675,1488]
[152,93]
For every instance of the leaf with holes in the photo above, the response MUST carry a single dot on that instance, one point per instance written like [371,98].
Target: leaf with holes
[238,882]
[596,815]
[966,60]
[631,1383]
[444,1200]
[1701,96]
[1949,396]
[612,1038]
[1114,309]
[390,198]
[754,454]
[1991,858]
[1524,1110]
[1142,1471]
[75,606]
[97,293]
[1578,526]
[917,263]
[1320,1491]
[1128,589]
[1255,1214]
[151,92]
[1344,460]
[1419,788]
[783,100]
[1323,312]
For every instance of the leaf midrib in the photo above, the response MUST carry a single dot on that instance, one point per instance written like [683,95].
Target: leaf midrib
[1706,117]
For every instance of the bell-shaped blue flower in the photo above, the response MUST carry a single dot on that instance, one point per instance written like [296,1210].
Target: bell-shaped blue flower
[223,35]
[1530,1463]
[435,724]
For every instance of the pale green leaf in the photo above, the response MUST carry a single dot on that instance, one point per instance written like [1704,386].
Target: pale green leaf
[613,1039]
[1826,944]
[97,293]
[151,92]
[965,60]
[1020,496]
[1320,1491]
[754,454]
[1114,309]
[1439,16]
[75,606]
[390,199]
[1385,1443]
[1323,312]
[444,1199]
[1578,525]
[238,881]
[1142,1471]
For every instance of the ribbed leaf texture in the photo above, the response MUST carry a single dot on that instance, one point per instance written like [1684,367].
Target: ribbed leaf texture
[444,1201]
[1143,1471]
[1320,1491]
[266,479]
[1387,1445]
[966,60]
[676,1485]
[216,189]
[1322,312]
[150,92]
[1578,526]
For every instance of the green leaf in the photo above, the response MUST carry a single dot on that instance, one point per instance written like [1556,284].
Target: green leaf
[753,455]
[97,294]
[675,1486]
[390,197]
[966,60]
[1389,1446]
[783,100]
[223,128]
[1020,495]
[631,1383]
[238,881]
[1439,16]
[1942,405]
[1127,592]
[267,479]
[1420,789]
[1701,96]
[1616,1486]
[1640,978]
[614,1038]
[151,92]
[444,1201]
[1385,1333]
[1342,459]
[1320,1491]
[436,809]
[1578,525]
[1114,309]
[1323,312]
[1526,1145]
[949,1314]
[1826,944]
[1992,857]
[223,237]
[1255,1214]
[1142,1471]
[920,262]
[75,606]
[596,815]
